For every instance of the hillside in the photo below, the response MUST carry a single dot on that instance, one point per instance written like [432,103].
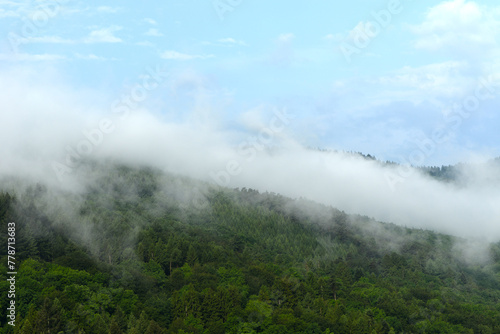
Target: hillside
[135,250]
[460,174]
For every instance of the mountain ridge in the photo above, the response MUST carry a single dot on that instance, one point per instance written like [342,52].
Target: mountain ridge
[166,253]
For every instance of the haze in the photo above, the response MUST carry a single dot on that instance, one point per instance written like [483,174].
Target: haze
[44,127]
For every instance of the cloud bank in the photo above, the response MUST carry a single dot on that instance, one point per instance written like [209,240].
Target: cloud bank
[46,121]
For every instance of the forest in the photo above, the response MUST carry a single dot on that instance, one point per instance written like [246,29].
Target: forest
[138,250]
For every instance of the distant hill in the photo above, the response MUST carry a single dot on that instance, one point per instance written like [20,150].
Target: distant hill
[488,172]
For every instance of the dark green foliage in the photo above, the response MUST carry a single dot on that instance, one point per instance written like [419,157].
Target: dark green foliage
[161,256]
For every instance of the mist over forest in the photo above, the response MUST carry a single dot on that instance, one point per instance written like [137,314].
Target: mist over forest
[264,156]
[228,166]
[188,227]
[160,252]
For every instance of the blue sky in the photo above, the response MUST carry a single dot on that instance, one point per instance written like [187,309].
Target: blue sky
[380,77]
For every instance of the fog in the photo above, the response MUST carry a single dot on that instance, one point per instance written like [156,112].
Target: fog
[48,128]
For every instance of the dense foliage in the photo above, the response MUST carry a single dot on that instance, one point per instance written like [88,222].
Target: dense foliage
[142,252]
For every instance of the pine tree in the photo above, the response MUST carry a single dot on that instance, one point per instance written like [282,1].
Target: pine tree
[192,258]
[114,328]
[154,328]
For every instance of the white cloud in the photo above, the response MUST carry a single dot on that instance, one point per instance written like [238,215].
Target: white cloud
[15,8]
[150,21]
[363,28]
[153,32]
[89,57]
[174,55]
[231,41]
[286,38]
[47,39]
[284,54]
[334,37]
[31,57]
[448,80]
[459,26]
[105,35]
[441,84]
[7,13]
[107,9]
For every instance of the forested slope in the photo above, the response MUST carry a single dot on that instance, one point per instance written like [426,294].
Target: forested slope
[140,251]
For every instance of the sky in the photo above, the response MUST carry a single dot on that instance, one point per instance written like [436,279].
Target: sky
[379,77]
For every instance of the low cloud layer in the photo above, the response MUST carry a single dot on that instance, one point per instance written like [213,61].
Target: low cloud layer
[48,127]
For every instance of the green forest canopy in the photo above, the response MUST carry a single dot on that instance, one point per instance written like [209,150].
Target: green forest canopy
[140,251]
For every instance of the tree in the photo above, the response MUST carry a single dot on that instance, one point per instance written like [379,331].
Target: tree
[154,328]
[114,328]
[192,258]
